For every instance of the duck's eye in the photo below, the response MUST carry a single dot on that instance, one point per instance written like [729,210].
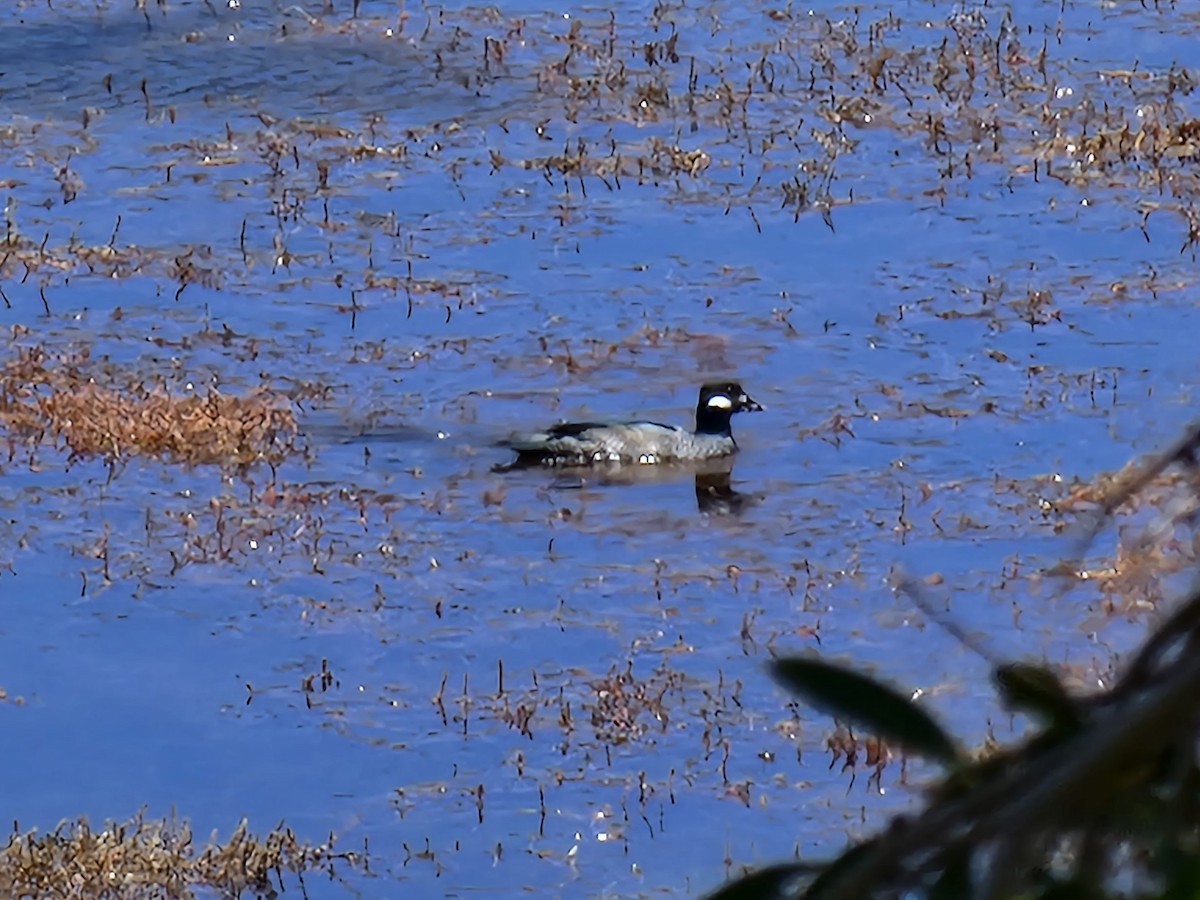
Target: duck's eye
[719,401]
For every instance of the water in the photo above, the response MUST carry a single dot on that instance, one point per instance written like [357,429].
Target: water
[559,684]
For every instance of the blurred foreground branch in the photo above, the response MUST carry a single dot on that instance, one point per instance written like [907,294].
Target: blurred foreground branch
[1103,800]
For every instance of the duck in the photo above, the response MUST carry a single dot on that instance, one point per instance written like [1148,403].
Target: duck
[640,442]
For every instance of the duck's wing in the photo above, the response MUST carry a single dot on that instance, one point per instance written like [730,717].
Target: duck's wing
[577,429]
[540,440]
[595,440]
[630,440]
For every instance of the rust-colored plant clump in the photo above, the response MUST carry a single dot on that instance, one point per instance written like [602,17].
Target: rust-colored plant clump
[95,411]
[142,858]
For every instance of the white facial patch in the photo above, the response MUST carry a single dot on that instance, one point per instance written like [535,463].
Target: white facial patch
[719,401]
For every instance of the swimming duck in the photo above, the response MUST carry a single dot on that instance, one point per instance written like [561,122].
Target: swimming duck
[640,442]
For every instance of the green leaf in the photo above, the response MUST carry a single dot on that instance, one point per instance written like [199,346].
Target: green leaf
[885,711]
[765,884]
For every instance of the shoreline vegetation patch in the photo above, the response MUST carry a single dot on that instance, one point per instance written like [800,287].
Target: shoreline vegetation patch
[100,411]
[159,858]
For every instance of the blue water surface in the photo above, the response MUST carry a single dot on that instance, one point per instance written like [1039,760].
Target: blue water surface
[448,283]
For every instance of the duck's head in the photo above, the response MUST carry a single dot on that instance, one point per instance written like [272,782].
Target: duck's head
[718,401]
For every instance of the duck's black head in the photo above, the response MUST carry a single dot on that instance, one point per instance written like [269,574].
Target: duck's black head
[719,400]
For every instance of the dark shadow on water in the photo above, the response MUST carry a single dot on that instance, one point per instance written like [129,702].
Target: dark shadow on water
[715,496]
[364,432]
[715,493]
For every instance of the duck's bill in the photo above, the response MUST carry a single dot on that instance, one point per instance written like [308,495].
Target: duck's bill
[746,403]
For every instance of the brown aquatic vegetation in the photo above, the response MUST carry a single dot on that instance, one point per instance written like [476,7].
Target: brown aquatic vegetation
[624,705]
[843,744]
[1152,509]
[96,411]
[157,858]
[779,123]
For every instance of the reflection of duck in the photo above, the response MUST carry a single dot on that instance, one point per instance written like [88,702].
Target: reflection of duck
[715,496]
[639,442]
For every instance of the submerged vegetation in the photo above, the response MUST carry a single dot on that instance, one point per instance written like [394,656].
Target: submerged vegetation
[790,124]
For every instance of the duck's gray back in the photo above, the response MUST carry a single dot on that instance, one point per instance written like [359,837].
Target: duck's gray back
[645,442]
